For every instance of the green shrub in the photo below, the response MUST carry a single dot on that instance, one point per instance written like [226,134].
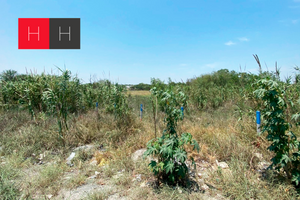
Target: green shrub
[284,142]
[169,148]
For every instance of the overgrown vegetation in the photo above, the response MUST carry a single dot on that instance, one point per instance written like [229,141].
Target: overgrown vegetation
[277,123]
[44,117]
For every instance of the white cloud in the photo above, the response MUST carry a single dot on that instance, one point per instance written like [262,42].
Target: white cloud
[296,0]
[295,21]
[243,39]
[230,43]
[183,64]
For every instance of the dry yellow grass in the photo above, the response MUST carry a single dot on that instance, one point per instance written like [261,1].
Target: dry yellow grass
[139,92]
[220,135]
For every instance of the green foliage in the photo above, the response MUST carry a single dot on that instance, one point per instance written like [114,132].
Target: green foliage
[59,97]
[8,75]
[141,86]
[284,142]
[213,90]
[169,148]
[117,104]
[158,84]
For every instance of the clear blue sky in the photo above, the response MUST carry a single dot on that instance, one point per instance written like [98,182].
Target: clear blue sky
[130,41]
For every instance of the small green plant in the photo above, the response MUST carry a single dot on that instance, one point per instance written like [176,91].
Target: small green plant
[169,148]
[284,142]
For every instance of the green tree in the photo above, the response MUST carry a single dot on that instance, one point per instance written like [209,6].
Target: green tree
[8,75]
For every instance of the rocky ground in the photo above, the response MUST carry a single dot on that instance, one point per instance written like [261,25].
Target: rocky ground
[106,187]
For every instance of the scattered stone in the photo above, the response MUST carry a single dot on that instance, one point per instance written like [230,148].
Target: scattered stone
[93,177]
[97,173]
[263,165]
[93,162]
[138,155]
[223,165]
[204,187]
[70,158]
[200,175]
[49,196]
[41,156]
[143,184]
[259,156]
[138,178]
[118,175]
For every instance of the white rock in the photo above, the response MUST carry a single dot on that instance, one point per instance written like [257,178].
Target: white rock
[49,196]
[138,178]
[97,173]
[259,156]
[204,187]
[263,165]
[70,158]
[143,184]
[41,156]
[223,165]
[138,154]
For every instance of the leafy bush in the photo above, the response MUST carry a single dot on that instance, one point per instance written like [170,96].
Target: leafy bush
[169,148]
[141,86]
[284,142]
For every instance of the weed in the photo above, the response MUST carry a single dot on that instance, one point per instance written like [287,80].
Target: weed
[169,148]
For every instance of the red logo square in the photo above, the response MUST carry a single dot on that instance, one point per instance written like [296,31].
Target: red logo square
[33,33]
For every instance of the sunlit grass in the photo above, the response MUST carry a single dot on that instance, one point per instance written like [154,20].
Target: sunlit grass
[139,92]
